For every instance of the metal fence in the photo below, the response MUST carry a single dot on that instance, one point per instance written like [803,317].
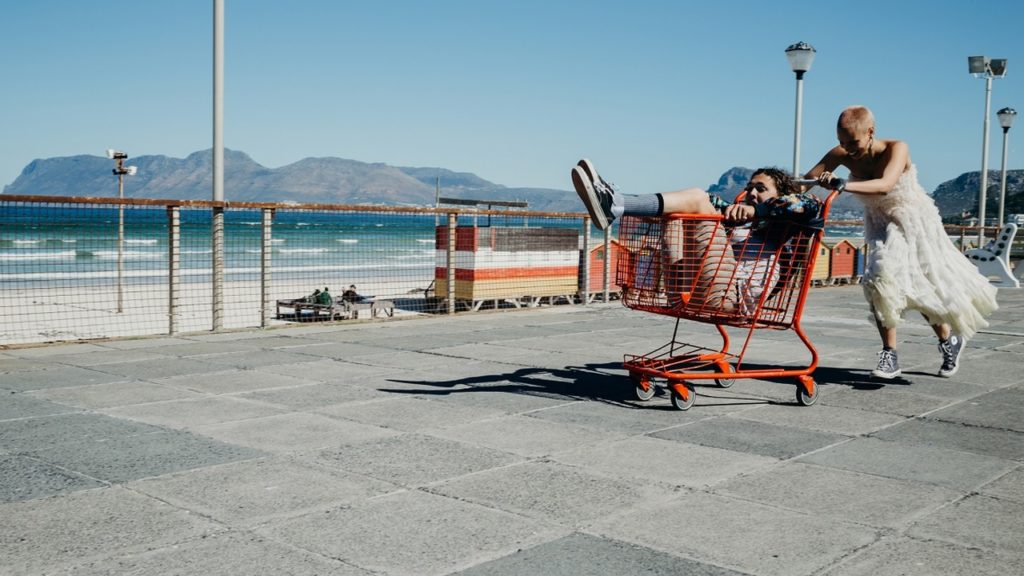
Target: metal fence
[87,268]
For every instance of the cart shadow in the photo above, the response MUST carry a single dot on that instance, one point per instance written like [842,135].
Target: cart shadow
[604,382]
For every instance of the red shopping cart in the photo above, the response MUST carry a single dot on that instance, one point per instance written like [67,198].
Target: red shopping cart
[693,267]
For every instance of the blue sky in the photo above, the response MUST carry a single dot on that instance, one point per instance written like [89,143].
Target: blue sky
[660,94]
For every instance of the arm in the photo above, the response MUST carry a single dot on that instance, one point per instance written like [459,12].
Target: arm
[803,209]
[895,158]
[829,162]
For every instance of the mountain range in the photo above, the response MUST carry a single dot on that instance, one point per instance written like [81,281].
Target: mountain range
[340,181]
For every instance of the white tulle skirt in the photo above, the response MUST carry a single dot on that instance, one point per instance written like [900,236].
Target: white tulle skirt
[913,265]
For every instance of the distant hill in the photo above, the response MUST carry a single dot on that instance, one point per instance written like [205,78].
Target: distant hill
[311,180]
[340,181]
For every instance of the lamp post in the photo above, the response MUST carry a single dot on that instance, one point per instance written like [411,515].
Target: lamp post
[120,171]
[987,68]
[800,56]
[1006,117]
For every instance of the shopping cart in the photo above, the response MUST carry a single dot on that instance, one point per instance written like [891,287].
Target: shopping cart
[694,267]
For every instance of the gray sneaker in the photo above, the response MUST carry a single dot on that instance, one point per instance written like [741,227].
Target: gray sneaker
[888,365]
[597,194]
[950,350]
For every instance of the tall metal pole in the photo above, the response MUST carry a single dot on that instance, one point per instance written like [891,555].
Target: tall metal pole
[1002,180]
[796,128]
[984,163]
[218,163]
[120,235]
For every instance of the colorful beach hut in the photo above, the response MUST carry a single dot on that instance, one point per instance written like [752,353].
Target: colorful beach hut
[820,273]
[597,260]
[841,260]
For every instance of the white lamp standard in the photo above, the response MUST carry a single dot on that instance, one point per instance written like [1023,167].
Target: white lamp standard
[800,56]
[987,68]
[1006,117]
[120,171]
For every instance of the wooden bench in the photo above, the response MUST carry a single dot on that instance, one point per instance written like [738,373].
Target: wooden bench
[993,260]
[302,311]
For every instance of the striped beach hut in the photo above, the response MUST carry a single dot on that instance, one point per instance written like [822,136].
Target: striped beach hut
[508,263]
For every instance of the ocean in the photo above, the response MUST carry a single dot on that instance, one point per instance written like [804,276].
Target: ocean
[40,245]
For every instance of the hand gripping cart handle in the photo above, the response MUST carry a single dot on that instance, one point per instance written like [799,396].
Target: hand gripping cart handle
[693,267]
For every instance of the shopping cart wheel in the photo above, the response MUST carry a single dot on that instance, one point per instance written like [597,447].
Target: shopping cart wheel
[677,395]
[644,387]
[806,391]
[725,382]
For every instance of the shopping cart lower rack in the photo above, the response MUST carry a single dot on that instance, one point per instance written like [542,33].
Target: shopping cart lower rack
[692,267]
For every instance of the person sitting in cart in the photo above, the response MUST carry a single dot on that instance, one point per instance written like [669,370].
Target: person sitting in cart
[772,202]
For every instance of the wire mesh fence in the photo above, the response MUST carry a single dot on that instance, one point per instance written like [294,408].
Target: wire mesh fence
[83,268]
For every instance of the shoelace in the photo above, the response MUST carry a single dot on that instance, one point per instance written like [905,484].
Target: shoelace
[886,360]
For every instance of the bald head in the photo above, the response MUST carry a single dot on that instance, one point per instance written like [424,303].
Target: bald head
[856,120]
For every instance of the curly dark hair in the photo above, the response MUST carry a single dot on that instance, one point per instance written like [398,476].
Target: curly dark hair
[784,182]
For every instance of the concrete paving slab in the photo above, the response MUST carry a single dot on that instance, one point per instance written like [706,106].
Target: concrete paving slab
[367,535]
[222,554]
[55,376]
[902,556]
[294,433]
[978,521]
[871,500]
[57,350]
[834,419]
[194,412]
[1008,487]
[584,554]
[566,495]
[412,459]
[670,463]
[261,490]
[104,356]
[409,414]
[154,369]
[232,381]
[524,436]
[915,463]
[121,459]
[326,370]
[26,406]
[25,478]
[739,534]
[43,432]
[90,524]
[503,395]
[99,396]
[738,435]
[256,359]
[1003,409]
[628,418]
[10,363]
[314,396]
[1000,443]
[201,349]
[898,398]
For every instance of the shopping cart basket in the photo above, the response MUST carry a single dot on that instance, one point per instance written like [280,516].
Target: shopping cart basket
[693,267]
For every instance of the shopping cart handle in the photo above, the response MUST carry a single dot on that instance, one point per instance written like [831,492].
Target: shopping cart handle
[807,182]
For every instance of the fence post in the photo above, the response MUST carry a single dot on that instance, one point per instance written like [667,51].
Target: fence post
[607,263]
[173,266]
[265,266]
[218,268]
[584,288]
[451,263]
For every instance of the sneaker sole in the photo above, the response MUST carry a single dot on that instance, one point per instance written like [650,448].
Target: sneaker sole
[588,169]
[886,375]
[586,192]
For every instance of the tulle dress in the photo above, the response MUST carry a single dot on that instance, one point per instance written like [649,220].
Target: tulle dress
[913,265]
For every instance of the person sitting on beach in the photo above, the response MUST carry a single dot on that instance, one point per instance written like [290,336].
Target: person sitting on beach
[351,295]
[773,200]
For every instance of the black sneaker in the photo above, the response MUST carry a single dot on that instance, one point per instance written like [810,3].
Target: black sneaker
[888,365]
[597,195]
[950,350]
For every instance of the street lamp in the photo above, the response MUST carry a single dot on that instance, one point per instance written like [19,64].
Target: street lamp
[120,171]
[987,68]
[1006,117]
[800,56]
